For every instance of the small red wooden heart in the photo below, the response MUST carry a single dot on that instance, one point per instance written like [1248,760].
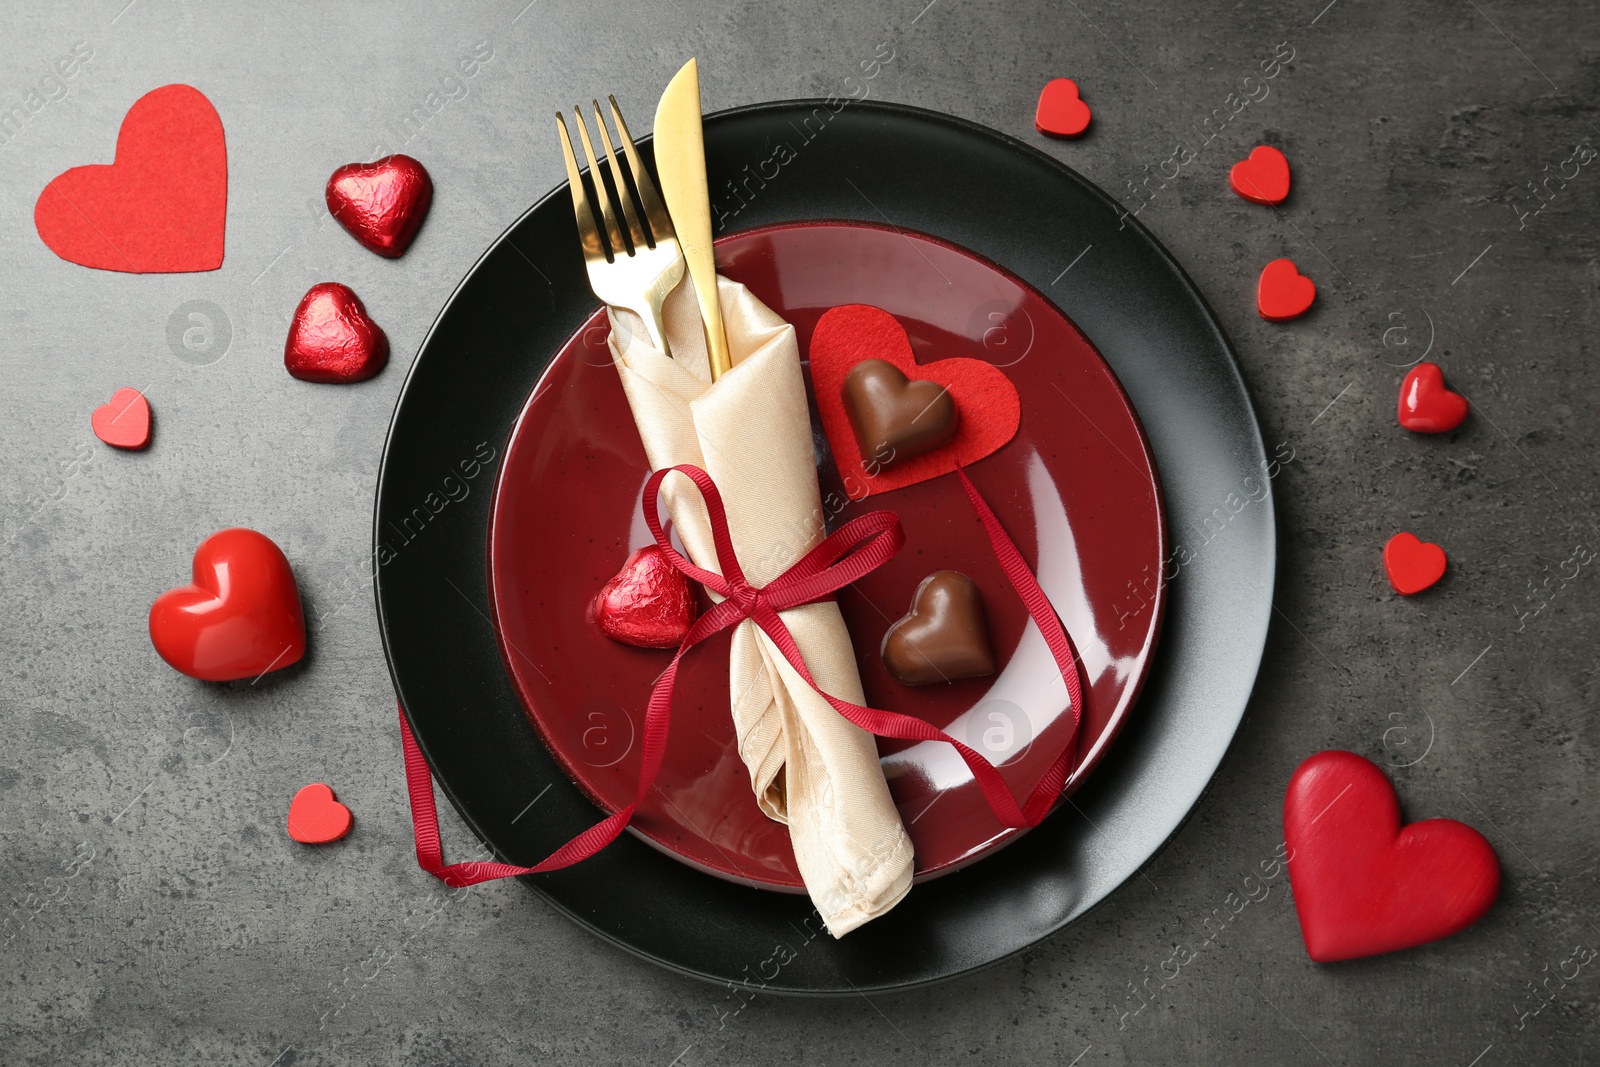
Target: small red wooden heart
[1426,404]
[1263,178]
[1363,884]
[1283,293]
[648,603]
[316,818]
[990,409]
[1061,112]
[382,204]
[124,420]
[331,338]
[1413,565]
[240,618]
[161,207]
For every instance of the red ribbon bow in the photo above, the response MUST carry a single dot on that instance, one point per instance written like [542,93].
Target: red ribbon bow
[854,550]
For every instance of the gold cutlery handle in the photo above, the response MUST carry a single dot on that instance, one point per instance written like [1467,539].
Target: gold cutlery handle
[704,271]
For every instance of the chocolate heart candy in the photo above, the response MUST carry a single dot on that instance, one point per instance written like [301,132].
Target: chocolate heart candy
[893,417]
[944,637]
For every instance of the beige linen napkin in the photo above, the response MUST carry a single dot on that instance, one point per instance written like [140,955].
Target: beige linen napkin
[751,431]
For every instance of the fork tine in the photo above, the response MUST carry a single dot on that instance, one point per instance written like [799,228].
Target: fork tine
[628,211]
[588,234]
[654,210]
[607,211]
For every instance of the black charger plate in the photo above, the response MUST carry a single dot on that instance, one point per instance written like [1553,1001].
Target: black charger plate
[989,193]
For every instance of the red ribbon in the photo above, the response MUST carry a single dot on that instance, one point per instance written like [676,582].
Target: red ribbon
[854,550]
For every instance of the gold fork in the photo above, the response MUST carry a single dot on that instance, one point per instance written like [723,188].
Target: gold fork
[638,272]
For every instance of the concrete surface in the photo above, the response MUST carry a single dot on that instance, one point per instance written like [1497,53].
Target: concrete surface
[154,911]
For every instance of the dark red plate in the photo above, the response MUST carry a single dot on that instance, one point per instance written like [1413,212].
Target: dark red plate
[1076,489]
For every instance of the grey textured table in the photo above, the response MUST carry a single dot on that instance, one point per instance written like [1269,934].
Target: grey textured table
[155,912]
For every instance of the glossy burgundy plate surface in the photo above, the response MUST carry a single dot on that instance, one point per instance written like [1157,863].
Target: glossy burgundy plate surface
[1076,489]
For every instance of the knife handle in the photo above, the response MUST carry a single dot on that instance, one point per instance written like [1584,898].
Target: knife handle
[705,290]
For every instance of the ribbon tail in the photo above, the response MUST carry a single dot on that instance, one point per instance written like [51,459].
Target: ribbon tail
[425,818]
[1055,638]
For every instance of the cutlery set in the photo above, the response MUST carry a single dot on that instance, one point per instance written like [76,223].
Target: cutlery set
[635,262]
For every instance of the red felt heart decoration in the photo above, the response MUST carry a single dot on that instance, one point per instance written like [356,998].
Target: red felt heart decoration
[124,420]
[648,603]
[1263,178]
[382,204]
[1061,113]
[1283,292]
[331,339]
[990,410]
[316,818]
[1413,565]
[161,207]
[1426,404]
[1363,884]
[240,618]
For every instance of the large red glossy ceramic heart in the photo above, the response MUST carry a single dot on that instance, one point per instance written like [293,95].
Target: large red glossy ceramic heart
[316,818]
[1061,111]
[382,204]
[1412,564]
[1426,404]
[1363,884]
[1283,293]
[240,618]
[332,339]
[160,207]
[1263,178]
[987,402]
[124,420]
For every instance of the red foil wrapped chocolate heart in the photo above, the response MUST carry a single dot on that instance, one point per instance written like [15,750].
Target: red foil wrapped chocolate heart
[331,339]
[648,603]
[382,204]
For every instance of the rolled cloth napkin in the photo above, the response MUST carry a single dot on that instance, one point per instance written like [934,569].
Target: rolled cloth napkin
[751,431]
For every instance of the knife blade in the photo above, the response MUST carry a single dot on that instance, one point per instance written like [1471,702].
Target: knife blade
[681,168]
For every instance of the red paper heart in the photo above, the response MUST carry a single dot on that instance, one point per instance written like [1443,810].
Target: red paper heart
[382,204]
[1364,885]
[1061,113]
[161,207]
[1413,565]
[316,818]
[124,420]
[1283,292]
[331,339]
[1426,404]
[1263,178]
[989,407]
[648,603]
[239,619]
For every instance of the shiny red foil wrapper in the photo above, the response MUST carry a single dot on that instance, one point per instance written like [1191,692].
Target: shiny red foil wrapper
[383,203]
[648,604]
[332,339]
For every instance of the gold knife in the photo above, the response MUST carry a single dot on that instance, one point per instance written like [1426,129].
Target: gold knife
[681,167]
